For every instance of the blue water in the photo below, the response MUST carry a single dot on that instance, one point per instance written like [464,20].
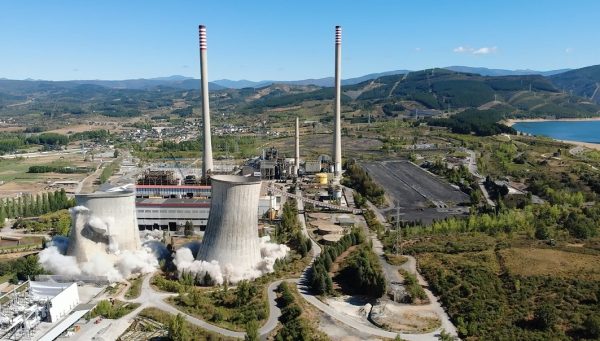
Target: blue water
[582,131]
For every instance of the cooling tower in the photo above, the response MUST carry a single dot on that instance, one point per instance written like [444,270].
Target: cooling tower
[103,222]
[337,135]
[207,161]
[231,235]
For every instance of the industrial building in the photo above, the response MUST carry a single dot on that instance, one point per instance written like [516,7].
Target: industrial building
[162,191]
[169,214]
[170,207]
[31,303]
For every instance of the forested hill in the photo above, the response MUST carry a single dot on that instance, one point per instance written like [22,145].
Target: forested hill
[443,90]
[583,82]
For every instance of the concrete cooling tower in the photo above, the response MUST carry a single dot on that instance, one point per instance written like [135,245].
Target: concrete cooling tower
[231,235]
[103,222]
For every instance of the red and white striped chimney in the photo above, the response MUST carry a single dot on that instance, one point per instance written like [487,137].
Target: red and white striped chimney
[207,164]
[337,137]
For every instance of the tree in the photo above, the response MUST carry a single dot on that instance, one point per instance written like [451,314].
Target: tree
[62,224]
[445,336]
[51,202]
[25,210]
[19,207]
[545,317]
[188,228]
[38,205]
[2,213]
[45,206]
[251,331]
[207,279]
[27,267]
[541,232]
[244,293]
[177,329]
[592,326]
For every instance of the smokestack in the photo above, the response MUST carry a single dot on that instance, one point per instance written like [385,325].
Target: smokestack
[337,137]
[297,159]
[207,161]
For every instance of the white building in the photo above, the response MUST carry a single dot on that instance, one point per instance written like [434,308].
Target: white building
[61,297]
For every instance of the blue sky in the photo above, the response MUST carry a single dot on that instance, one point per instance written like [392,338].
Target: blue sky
[286,40]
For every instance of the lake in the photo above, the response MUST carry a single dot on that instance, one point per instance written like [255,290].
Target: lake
[582,131]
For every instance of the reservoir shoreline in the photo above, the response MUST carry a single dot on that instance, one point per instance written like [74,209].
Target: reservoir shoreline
[510,121]
[562,130]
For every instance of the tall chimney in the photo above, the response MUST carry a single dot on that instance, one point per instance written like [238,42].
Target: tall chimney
[337,137]
[207,161]
[297,158]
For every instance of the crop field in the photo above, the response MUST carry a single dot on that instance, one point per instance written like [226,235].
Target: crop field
[14,172]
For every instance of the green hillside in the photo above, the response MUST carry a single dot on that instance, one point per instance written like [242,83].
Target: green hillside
[584,82]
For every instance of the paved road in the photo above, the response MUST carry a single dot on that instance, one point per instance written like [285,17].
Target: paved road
[475,172]
[274,311]
[89,178]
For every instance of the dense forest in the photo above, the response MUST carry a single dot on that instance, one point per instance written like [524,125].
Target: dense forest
[479,122]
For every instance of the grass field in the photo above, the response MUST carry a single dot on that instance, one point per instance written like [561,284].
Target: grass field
[195,333]
[548,262]
[135,289]
[495,292]
[14,172]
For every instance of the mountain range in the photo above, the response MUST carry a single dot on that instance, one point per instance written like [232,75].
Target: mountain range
[573,93]
[182,82]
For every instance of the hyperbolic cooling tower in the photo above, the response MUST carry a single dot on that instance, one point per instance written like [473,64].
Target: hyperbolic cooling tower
[103,222]
[231,235]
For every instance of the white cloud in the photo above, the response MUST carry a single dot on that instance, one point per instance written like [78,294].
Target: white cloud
[472,50]
[417,49]
[462,49]
[486,50]
[569,50]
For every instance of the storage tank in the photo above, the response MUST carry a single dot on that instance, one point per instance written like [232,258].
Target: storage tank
[103,222]
[337,193]
[231,235]
[321,178]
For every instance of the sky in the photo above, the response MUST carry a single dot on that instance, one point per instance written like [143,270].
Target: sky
[290,40]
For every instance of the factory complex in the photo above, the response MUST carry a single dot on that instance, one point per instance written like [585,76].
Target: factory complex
[104,244]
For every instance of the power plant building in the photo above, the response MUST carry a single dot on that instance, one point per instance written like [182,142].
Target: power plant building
[158,191]
[29,309]
[170,207]
[168,214]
